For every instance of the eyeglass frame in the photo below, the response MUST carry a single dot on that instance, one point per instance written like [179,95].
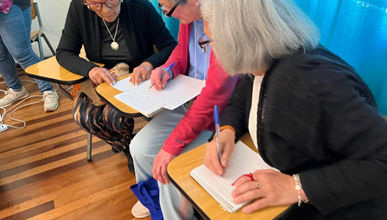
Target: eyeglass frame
[204,44]
[167,14]
[97,3]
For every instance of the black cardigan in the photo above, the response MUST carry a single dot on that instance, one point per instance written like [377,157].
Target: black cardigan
[318,118]
[141,25]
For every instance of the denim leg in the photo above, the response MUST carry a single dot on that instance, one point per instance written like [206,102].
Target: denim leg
[8,67]
[15,29]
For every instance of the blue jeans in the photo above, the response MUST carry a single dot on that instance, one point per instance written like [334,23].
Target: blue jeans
[15,42]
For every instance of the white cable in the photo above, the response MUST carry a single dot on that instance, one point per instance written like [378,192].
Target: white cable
[14,119]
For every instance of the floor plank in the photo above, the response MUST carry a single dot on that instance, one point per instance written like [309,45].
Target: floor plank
[44,173]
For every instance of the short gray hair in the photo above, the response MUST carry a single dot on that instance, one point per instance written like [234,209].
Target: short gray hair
[249,33]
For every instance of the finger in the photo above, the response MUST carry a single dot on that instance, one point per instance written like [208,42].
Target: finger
[257,205]
[214,157]
[107,77]
[249,195]
[157,176]
[136,77]
[208,164]
[241,181]
[164,80]
[244,185]
[226,154]
[158,79]
[164,174]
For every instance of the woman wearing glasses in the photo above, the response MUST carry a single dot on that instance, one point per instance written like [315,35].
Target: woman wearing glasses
[308,112]
[174,132]
[112,31]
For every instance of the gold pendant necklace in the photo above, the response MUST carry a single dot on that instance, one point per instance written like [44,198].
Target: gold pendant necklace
[114,45]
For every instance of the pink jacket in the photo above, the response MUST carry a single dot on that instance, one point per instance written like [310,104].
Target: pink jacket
[218,89]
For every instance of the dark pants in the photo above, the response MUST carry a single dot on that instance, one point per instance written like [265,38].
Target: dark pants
[106,123]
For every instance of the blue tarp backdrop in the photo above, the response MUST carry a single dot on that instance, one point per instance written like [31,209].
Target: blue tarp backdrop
[171,23]
[357,31]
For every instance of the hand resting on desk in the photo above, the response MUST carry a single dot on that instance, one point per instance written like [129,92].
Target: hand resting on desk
[268,187]
[141,73]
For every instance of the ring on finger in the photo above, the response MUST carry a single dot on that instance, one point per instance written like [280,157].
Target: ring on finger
[257,184]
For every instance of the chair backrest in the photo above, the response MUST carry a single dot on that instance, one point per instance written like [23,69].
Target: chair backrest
[33,11]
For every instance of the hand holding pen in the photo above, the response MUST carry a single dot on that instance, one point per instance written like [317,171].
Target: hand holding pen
[160,77]
[219,150]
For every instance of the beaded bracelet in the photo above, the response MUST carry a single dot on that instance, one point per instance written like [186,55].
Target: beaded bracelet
[298,187]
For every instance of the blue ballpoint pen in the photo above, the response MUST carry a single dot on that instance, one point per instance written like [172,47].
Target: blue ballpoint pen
[162,75]
[216,121]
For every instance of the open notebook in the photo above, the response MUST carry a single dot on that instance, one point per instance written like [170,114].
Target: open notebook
[243,161]
[150,101]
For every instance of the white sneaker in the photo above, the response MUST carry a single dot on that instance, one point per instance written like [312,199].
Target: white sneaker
[50,100]
[140,211]
[11,96]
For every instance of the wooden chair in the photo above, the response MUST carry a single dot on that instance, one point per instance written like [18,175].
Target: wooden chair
[36,35]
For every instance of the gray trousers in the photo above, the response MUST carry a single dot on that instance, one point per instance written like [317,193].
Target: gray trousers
[144,148]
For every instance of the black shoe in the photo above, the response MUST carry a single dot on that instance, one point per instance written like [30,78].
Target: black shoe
[130,160]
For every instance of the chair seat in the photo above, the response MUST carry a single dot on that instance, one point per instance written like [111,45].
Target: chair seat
[34,34]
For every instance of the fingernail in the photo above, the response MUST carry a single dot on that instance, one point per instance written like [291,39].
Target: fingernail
[112,84]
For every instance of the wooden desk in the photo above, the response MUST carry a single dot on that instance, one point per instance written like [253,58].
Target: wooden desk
[178,172]
[50,70]
[107,92]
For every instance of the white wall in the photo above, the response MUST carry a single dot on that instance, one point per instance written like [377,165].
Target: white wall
[53,13]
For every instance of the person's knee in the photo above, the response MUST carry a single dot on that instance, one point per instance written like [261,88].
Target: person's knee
[25,57]
[137,148]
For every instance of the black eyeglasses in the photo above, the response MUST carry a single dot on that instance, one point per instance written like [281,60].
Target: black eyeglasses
[98,6]
[203,42]
[165,12]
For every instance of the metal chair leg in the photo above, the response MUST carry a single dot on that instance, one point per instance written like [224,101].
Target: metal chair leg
[48,44]
[64,91]
[89,147]
[40,48]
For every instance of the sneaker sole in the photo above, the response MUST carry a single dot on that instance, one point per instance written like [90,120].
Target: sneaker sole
[140,216]
[51,110]
[16,100]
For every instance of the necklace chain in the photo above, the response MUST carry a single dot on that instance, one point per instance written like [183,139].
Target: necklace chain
[115,35]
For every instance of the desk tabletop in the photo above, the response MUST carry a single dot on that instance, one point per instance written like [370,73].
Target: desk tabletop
[178,172]
[107,92]
[50,70]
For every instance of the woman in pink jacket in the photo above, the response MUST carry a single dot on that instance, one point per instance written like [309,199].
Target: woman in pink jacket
[171,133]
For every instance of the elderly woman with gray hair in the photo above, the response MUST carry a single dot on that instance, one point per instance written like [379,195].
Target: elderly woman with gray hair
[308,112]
[171,133]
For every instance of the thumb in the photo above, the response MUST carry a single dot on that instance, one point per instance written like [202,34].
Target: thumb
[226,154]
[164,80]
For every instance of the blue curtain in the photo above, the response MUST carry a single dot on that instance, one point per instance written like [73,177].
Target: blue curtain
[171,23]
[356,30]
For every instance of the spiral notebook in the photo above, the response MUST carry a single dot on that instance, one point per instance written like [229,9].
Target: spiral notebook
[243,161]
[150,101]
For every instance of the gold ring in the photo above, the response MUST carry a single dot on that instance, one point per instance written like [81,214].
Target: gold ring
[258,184]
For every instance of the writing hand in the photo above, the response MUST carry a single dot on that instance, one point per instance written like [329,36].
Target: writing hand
[141,73]
[99,75]
[159,83]
[274,189]
[160,164]
[211,160]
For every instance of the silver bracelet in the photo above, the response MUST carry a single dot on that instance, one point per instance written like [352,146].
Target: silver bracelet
[298,187]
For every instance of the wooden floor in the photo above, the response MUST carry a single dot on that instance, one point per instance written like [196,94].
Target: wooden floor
[44,173]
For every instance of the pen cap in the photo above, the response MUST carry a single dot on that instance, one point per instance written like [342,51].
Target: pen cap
[216,114]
